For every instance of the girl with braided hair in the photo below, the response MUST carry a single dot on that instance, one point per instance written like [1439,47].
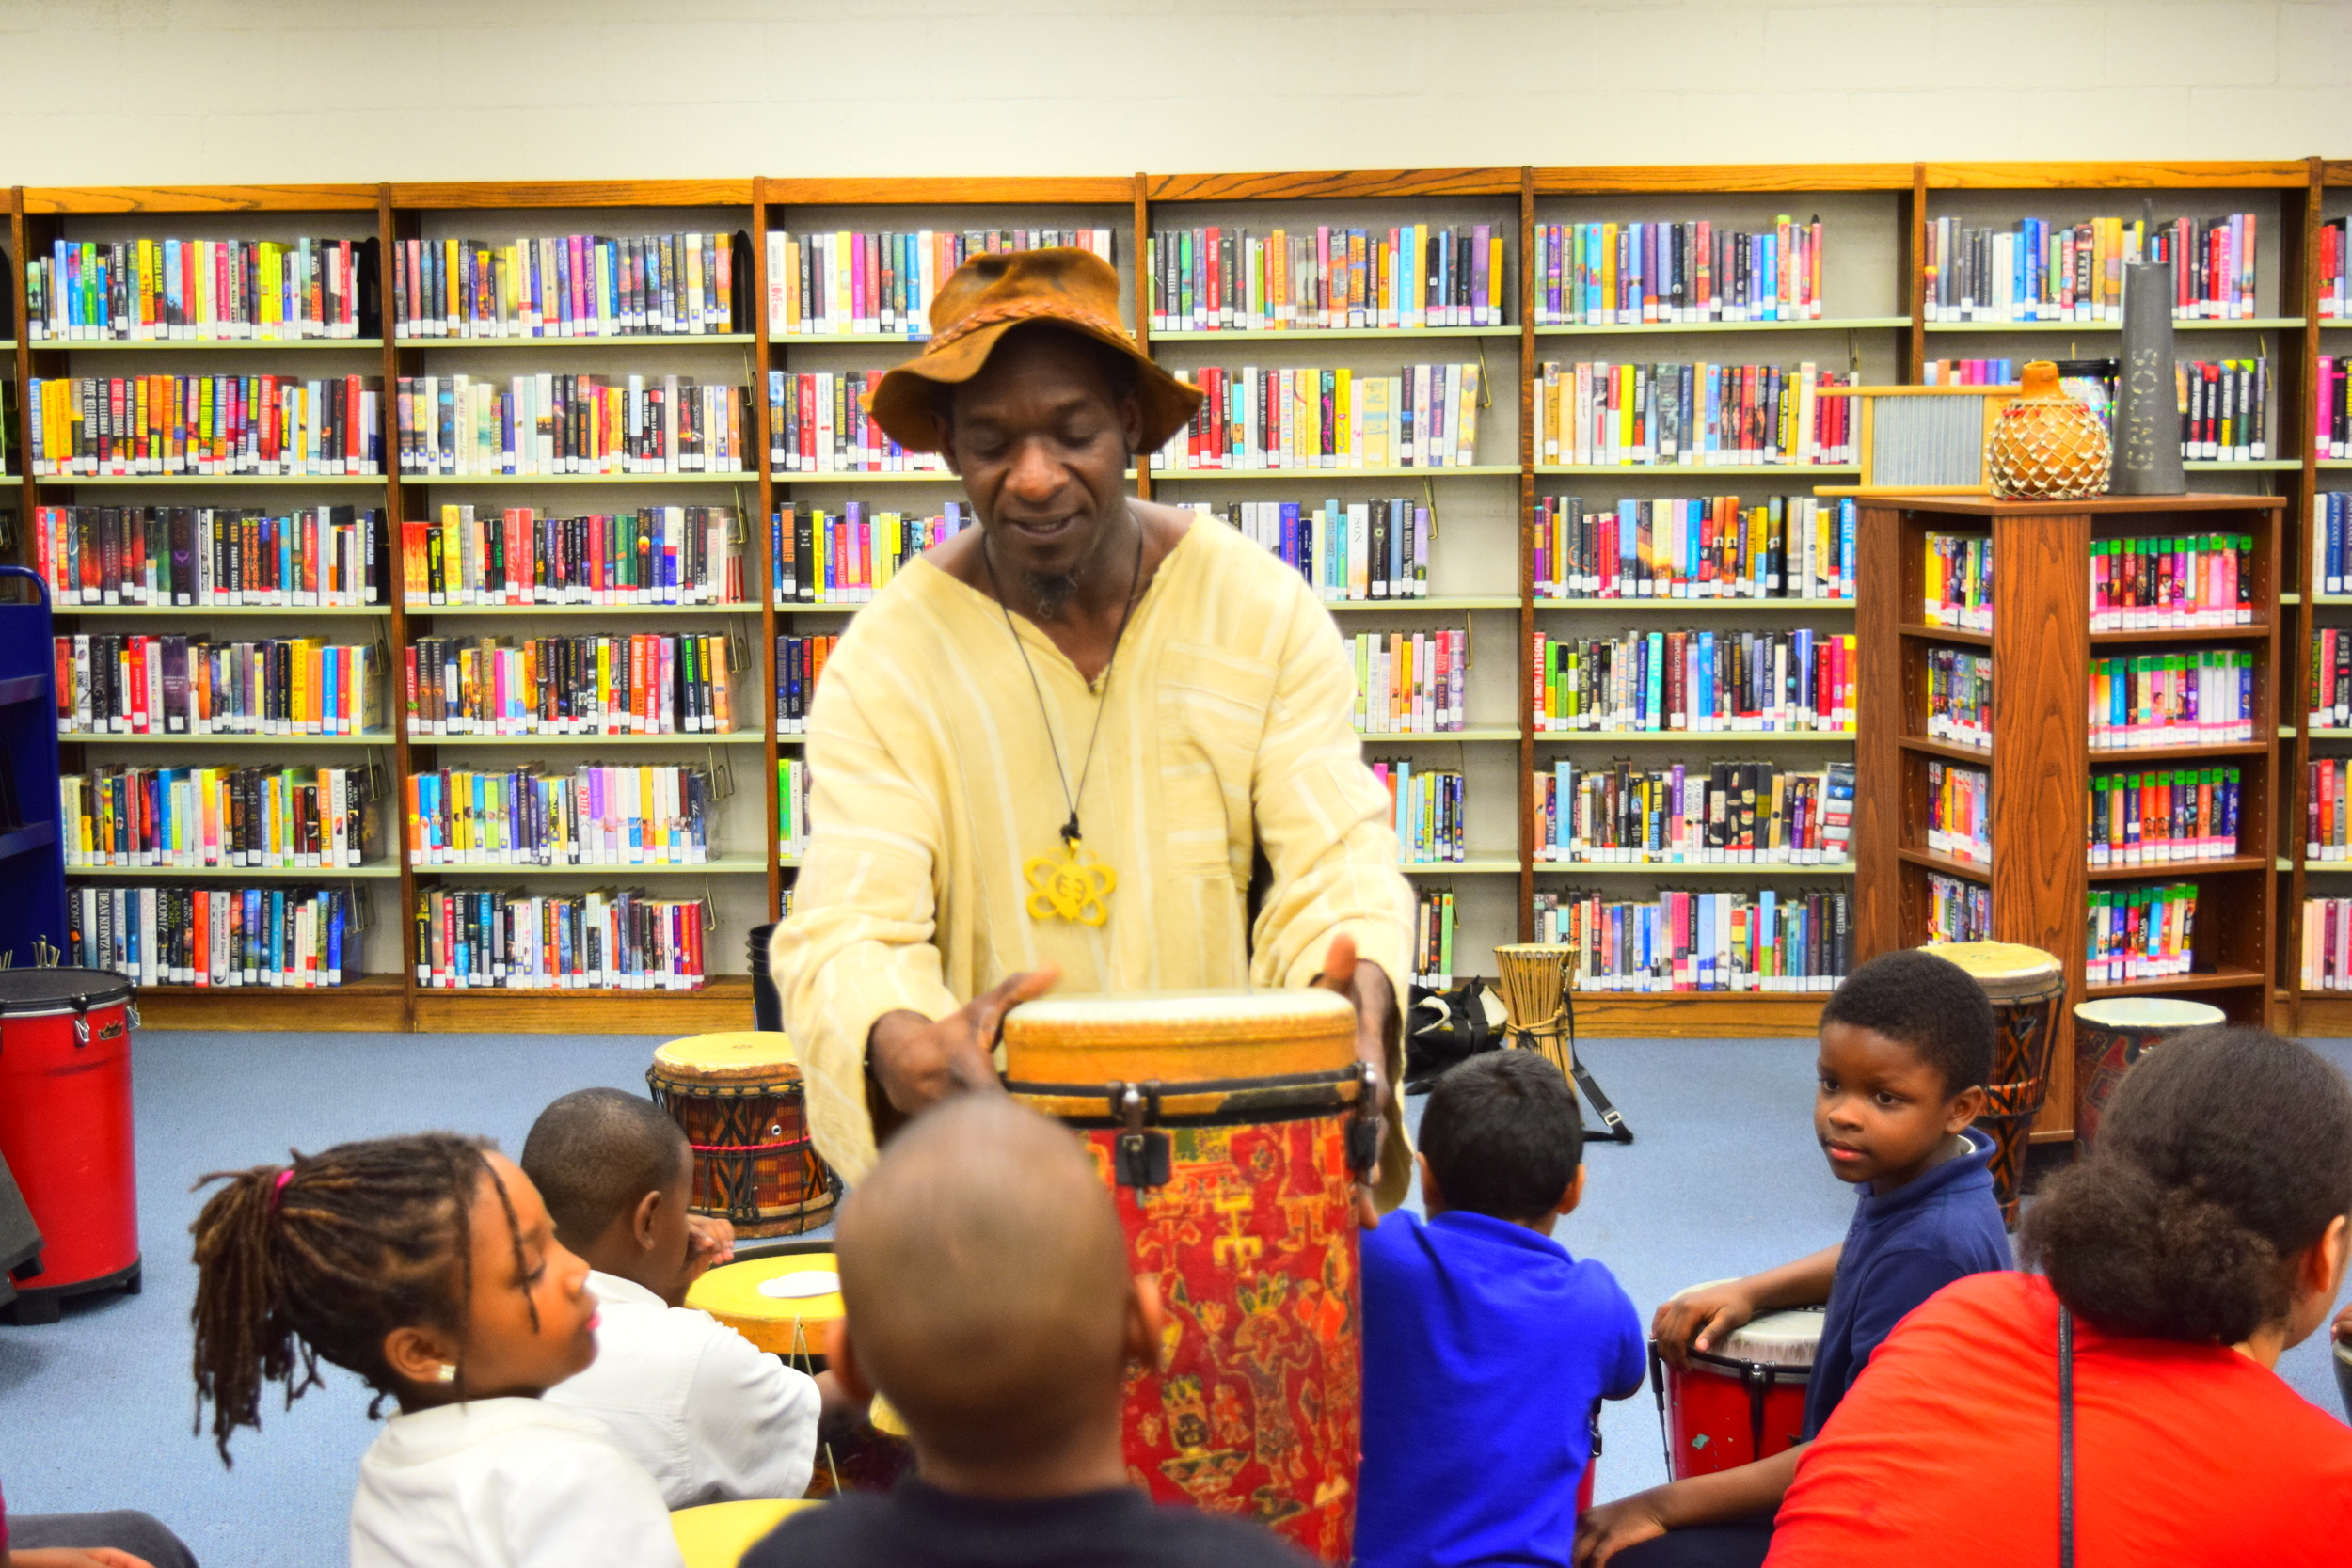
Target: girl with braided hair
[427,1266]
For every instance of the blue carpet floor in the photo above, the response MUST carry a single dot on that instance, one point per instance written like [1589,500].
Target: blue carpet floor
[95,1411]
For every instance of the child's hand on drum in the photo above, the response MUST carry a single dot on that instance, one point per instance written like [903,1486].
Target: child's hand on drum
[1604,1531]
[709,1243]
[1700,1319]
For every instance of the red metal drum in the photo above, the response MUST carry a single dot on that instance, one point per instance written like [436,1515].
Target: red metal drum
[65,1129]
[1739,1403]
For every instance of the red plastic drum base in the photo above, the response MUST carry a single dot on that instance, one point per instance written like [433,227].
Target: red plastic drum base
[34,1305]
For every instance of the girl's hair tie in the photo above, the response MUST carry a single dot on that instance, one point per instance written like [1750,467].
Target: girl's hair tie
[277,1193]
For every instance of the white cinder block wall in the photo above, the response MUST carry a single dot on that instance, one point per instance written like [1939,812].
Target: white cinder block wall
[148,92]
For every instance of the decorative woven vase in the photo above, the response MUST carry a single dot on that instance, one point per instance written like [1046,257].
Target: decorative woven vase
[2045,445]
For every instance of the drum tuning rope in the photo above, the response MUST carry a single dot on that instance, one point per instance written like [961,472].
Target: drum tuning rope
[1532,979]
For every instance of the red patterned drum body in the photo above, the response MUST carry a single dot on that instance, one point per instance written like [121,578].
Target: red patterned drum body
[2025,987]
[2111,1036]
[1224,1122]
[65,1127]
[739,1098]
[1742,1401]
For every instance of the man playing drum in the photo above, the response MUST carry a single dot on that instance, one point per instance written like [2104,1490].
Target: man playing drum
[1056,748]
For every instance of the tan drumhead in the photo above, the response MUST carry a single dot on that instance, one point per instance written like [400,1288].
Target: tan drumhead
[742,1056]
[2149,1012]
[1787,1338]
[2004,969]
[1176,1035]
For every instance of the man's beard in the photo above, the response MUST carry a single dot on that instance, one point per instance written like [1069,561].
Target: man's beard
[1051,591]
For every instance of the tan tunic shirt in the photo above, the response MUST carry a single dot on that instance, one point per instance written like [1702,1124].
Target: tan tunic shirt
[1228,715]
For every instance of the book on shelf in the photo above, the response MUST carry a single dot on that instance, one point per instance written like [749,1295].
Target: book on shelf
[2035,270]
[1958,696]
[2139,933]
[146,684]
[1960,812]
[1969,373]
[1424,416]
[595,814]
[2332,300]
[518,555]
[2226,412]
[210,556]
[1346,550]
[818,424]
[553,423]
[1695,547]
[2331,541]
[1435,922]
[1217,278]
[1595,412]
[1410,682]
[2328,790]
[2200,697]
[1677,941]
[1958,910]
[1958,590]
[208,937]
[799,660]
[2330,685]
[207,817]
[793,787]
[1427,805]
[505,939]
[2173,583]
[1643,274]
[1715,812]
[2166,816]
[166,290]
[2327,956]
[573,286]
[846,555]
[2332,407]
[1704,681]
[204,426]
[882,282]
[635,683]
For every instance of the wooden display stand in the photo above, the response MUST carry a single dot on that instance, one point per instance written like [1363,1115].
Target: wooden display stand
[2040,759]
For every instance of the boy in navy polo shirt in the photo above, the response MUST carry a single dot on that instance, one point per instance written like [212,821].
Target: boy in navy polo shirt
[1486,1346]
[1906,1047]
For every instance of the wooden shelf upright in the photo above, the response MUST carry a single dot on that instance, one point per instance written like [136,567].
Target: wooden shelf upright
[2041,759]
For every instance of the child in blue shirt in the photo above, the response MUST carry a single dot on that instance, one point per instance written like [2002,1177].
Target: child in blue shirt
[1906,1048]
[1486,1345]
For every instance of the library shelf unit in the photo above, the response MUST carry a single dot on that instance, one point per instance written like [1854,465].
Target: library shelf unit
[2040,758]
[1873,323]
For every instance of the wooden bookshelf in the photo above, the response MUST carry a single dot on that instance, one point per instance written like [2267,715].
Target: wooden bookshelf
[2040,759]
[1874,320]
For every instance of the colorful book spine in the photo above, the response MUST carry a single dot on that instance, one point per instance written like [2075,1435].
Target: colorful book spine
[1428,806]
[206,818]
[505,939]
[1346,550]
[1960,696]
[518,555]
[1703,941]
[847,555]
[2226,414]
[284,934]
[818,424]
[1424,416]
[2163,816]
[1410,683]
[1435,922]
[2331,407]
[2035,270]
[595,814]
[1712,814]
[170,289]
[573,286]
[1790,548]
[2139,933]
[2333,301]
[2177,582]
[1641,274]
[2327,788]
[792,789]
[129,426]
[1960,812]
[1601,414]
[210,555]
[881,282]
[143,684]
[2202,697]
[560,423]
[1958,910]
[1217,279]
[1968,373]
[1959,581]
[2326,945]
[799,662]
[1703,680]
[643,682]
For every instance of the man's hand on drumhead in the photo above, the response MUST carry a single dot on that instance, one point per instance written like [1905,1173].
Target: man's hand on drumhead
[1367,985]
[919,1063]
[709,1243]
[1700,1319]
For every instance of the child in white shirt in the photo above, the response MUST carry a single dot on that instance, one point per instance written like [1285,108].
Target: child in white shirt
[427,1266]
[708,1416]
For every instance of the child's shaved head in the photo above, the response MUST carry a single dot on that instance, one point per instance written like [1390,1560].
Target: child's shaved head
[985,1279]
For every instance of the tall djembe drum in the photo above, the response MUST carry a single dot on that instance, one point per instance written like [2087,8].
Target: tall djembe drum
[1532,979]
[1232,1127]
[2025,986]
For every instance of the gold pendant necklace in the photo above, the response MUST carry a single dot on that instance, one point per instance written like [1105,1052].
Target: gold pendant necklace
[1076,887]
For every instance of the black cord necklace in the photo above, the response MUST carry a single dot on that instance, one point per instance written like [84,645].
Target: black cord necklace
[1078,887]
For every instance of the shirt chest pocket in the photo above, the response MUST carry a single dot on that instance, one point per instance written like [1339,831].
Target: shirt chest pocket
[1213,711]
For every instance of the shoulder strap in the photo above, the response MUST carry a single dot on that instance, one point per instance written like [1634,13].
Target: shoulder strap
[2066,1438]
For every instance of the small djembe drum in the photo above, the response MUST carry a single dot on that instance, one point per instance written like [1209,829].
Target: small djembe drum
[1232,1127]
[2113,1035]
[2025,986]
[739,1098]
[1532,979]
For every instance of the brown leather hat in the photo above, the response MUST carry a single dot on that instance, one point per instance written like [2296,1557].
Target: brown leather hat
[990,295]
